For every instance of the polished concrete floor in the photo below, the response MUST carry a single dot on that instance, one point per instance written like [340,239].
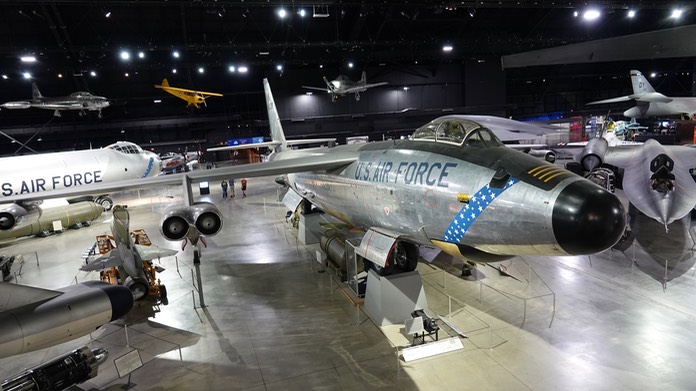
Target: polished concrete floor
[274,321]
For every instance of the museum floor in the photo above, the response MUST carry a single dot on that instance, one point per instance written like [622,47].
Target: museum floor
[274,321]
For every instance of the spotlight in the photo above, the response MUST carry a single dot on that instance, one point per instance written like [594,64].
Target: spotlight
[175,54]
[631,13]
[321,66]
[126,74]
[201,70]
[93,73]
[243,69]
[60,75]
[107,14]
[350,65]
[575,14]
[26,75]
[406,88]
[125,55]
[4,77]
[653,74]
[141,55]
[302,12]
[173,70]
[591,14]
[676,13]
[279,67]
[27,59]
[232,68]
[447,48]
[282,13]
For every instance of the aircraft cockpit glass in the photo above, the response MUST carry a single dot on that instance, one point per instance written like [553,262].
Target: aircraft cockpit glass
[131,149]
[457,131]
[80,94]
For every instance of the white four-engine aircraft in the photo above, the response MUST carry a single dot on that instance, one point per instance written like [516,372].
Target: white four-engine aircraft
[453,186]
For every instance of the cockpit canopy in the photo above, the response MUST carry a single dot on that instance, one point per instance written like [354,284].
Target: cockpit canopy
[81,94]
[459,131]
[126,147]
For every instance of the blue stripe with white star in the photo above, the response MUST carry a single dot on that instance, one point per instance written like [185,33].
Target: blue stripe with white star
[471,211]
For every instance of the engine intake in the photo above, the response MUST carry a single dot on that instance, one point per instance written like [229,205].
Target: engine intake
[201,218]
[592,156]
[18,215]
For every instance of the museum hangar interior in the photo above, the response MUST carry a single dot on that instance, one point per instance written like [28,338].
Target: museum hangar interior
[277,319]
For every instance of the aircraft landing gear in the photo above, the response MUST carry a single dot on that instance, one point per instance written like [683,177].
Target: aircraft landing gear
[105,202]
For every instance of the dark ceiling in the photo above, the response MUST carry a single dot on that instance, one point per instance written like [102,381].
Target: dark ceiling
[74,38]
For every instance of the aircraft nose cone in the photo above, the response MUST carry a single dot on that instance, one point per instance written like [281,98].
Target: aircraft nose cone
[587,219]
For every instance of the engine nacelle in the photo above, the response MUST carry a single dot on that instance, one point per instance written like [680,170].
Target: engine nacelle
[201,218]
[19,215]
[592,156]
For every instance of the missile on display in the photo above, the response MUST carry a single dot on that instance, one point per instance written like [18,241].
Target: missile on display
[60,373]
[34,318]
[77,214]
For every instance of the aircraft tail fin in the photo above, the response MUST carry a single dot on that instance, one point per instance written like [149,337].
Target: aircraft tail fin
[119,225]
[35,93]
[640,83]
[165,83]
[363,79]
[277,133]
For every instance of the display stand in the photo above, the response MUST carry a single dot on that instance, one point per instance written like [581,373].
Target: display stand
[391,299]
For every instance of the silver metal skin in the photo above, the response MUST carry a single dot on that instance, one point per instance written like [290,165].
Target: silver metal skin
[36,318]
[18,215]
[127,255]
[342,85]
[69,215]
[81,101]
[60,373]
[657,178]
[650,103]
[433,189]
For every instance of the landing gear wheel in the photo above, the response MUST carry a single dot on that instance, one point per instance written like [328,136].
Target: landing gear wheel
[405,256]
[105,202]
[466,270]
[385,270]
[550,157]
[163,295]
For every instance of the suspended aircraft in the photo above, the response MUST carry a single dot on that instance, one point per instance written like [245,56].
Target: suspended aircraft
[34,318]
[192,97]
[650,103]
[342,85]
[453,186]
[35,175]
[82,101]
[175,161]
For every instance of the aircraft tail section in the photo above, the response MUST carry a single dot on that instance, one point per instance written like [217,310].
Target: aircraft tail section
[277,133]
[35,93]
[119,225]
[165,83]
[363,79]
[640,83]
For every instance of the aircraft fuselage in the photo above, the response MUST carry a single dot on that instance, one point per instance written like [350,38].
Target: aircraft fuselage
[495,200]
[678,106]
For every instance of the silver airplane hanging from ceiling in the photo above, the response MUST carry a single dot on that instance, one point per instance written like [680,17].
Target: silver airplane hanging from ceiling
[650,103]
[82,101]
[342,85]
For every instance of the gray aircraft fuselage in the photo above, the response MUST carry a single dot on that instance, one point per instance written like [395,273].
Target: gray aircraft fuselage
[488,198]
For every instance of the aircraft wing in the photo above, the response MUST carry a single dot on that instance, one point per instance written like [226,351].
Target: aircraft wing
[306,161]
[14,296]
[273,144]
[370,85]
[148,253]
[103,261]
[188,91]
[612,100]
[324,89]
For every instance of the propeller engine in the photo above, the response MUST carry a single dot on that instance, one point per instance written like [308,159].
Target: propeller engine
[18,215]
[191,222]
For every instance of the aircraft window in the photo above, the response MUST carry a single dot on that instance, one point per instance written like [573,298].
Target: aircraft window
[426,131]
[474,140]
[482,138]
[451,131]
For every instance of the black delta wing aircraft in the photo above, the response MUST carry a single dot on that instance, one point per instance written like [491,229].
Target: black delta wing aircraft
[453,186]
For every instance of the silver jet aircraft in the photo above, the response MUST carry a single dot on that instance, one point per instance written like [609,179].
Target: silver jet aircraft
[650,103]
[81,100]
[453,186]
[34,318]
[127,256]
[342,85]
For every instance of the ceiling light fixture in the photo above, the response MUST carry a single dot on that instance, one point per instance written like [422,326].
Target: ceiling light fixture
[653,74]
[591,14]
[320,11]
[125,55]
[27,59]
[631,13]
[141,55]
[575,14]
[126,74]
[447,48]
[4,77]
[173,70]
[60,75]
[232,68]
[282,13]
[676,13]
[201,70]
[93,73]
[175,54]
[243,69]
[107,14]
[279,67]
[26,75]
[350,65]
[302,12]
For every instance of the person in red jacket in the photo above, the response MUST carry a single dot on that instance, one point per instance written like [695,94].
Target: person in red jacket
[244,183]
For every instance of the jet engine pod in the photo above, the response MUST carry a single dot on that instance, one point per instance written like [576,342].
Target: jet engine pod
[592,156]
[18,215]
[204,217]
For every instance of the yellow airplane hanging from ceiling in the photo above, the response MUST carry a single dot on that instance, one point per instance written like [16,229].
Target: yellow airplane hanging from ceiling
[192,97]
